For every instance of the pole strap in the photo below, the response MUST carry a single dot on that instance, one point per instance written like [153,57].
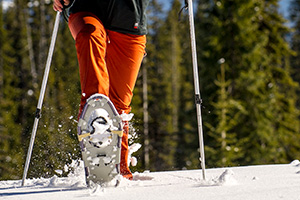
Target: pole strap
[185,7]
[38,113]
[117,132]
[198,99]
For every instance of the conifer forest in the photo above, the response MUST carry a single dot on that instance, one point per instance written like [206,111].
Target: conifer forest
[249,72]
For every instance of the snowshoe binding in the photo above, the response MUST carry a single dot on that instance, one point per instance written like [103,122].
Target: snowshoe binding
[100,135]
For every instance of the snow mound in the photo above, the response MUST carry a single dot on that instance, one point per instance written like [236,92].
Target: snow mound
[226,178]
[295,162]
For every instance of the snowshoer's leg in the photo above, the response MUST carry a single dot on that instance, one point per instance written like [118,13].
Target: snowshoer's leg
[90,36]
[124,165]
[125,53]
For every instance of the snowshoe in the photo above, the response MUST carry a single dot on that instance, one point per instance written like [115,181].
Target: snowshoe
[100,135]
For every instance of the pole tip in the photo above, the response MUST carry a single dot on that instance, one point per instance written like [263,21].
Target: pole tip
[23,183]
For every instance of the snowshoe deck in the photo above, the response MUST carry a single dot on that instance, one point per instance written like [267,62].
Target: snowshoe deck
[100,136]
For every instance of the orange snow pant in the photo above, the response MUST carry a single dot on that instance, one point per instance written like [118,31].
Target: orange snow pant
[109,63]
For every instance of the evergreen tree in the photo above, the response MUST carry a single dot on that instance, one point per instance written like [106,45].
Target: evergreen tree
[153,84]
[171,94]
[13,93]
[277,123]
[249,35]
[187,153]
[226,149]
[170,52]
[8,141]
[155,90]
[219,31]
[295,43]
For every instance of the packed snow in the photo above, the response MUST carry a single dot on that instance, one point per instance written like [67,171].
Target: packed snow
[265,182]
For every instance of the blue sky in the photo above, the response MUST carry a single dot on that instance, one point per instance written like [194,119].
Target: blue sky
[284,5]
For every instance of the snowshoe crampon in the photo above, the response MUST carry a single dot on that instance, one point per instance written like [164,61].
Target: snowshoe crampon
[100,136]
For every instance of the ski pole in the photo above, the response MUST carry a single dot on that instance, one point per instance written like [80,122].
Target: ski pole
[41,98]
[198,99]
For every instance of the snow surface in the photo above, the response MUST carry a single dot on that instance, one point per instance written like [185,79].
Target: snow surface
[265,182]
